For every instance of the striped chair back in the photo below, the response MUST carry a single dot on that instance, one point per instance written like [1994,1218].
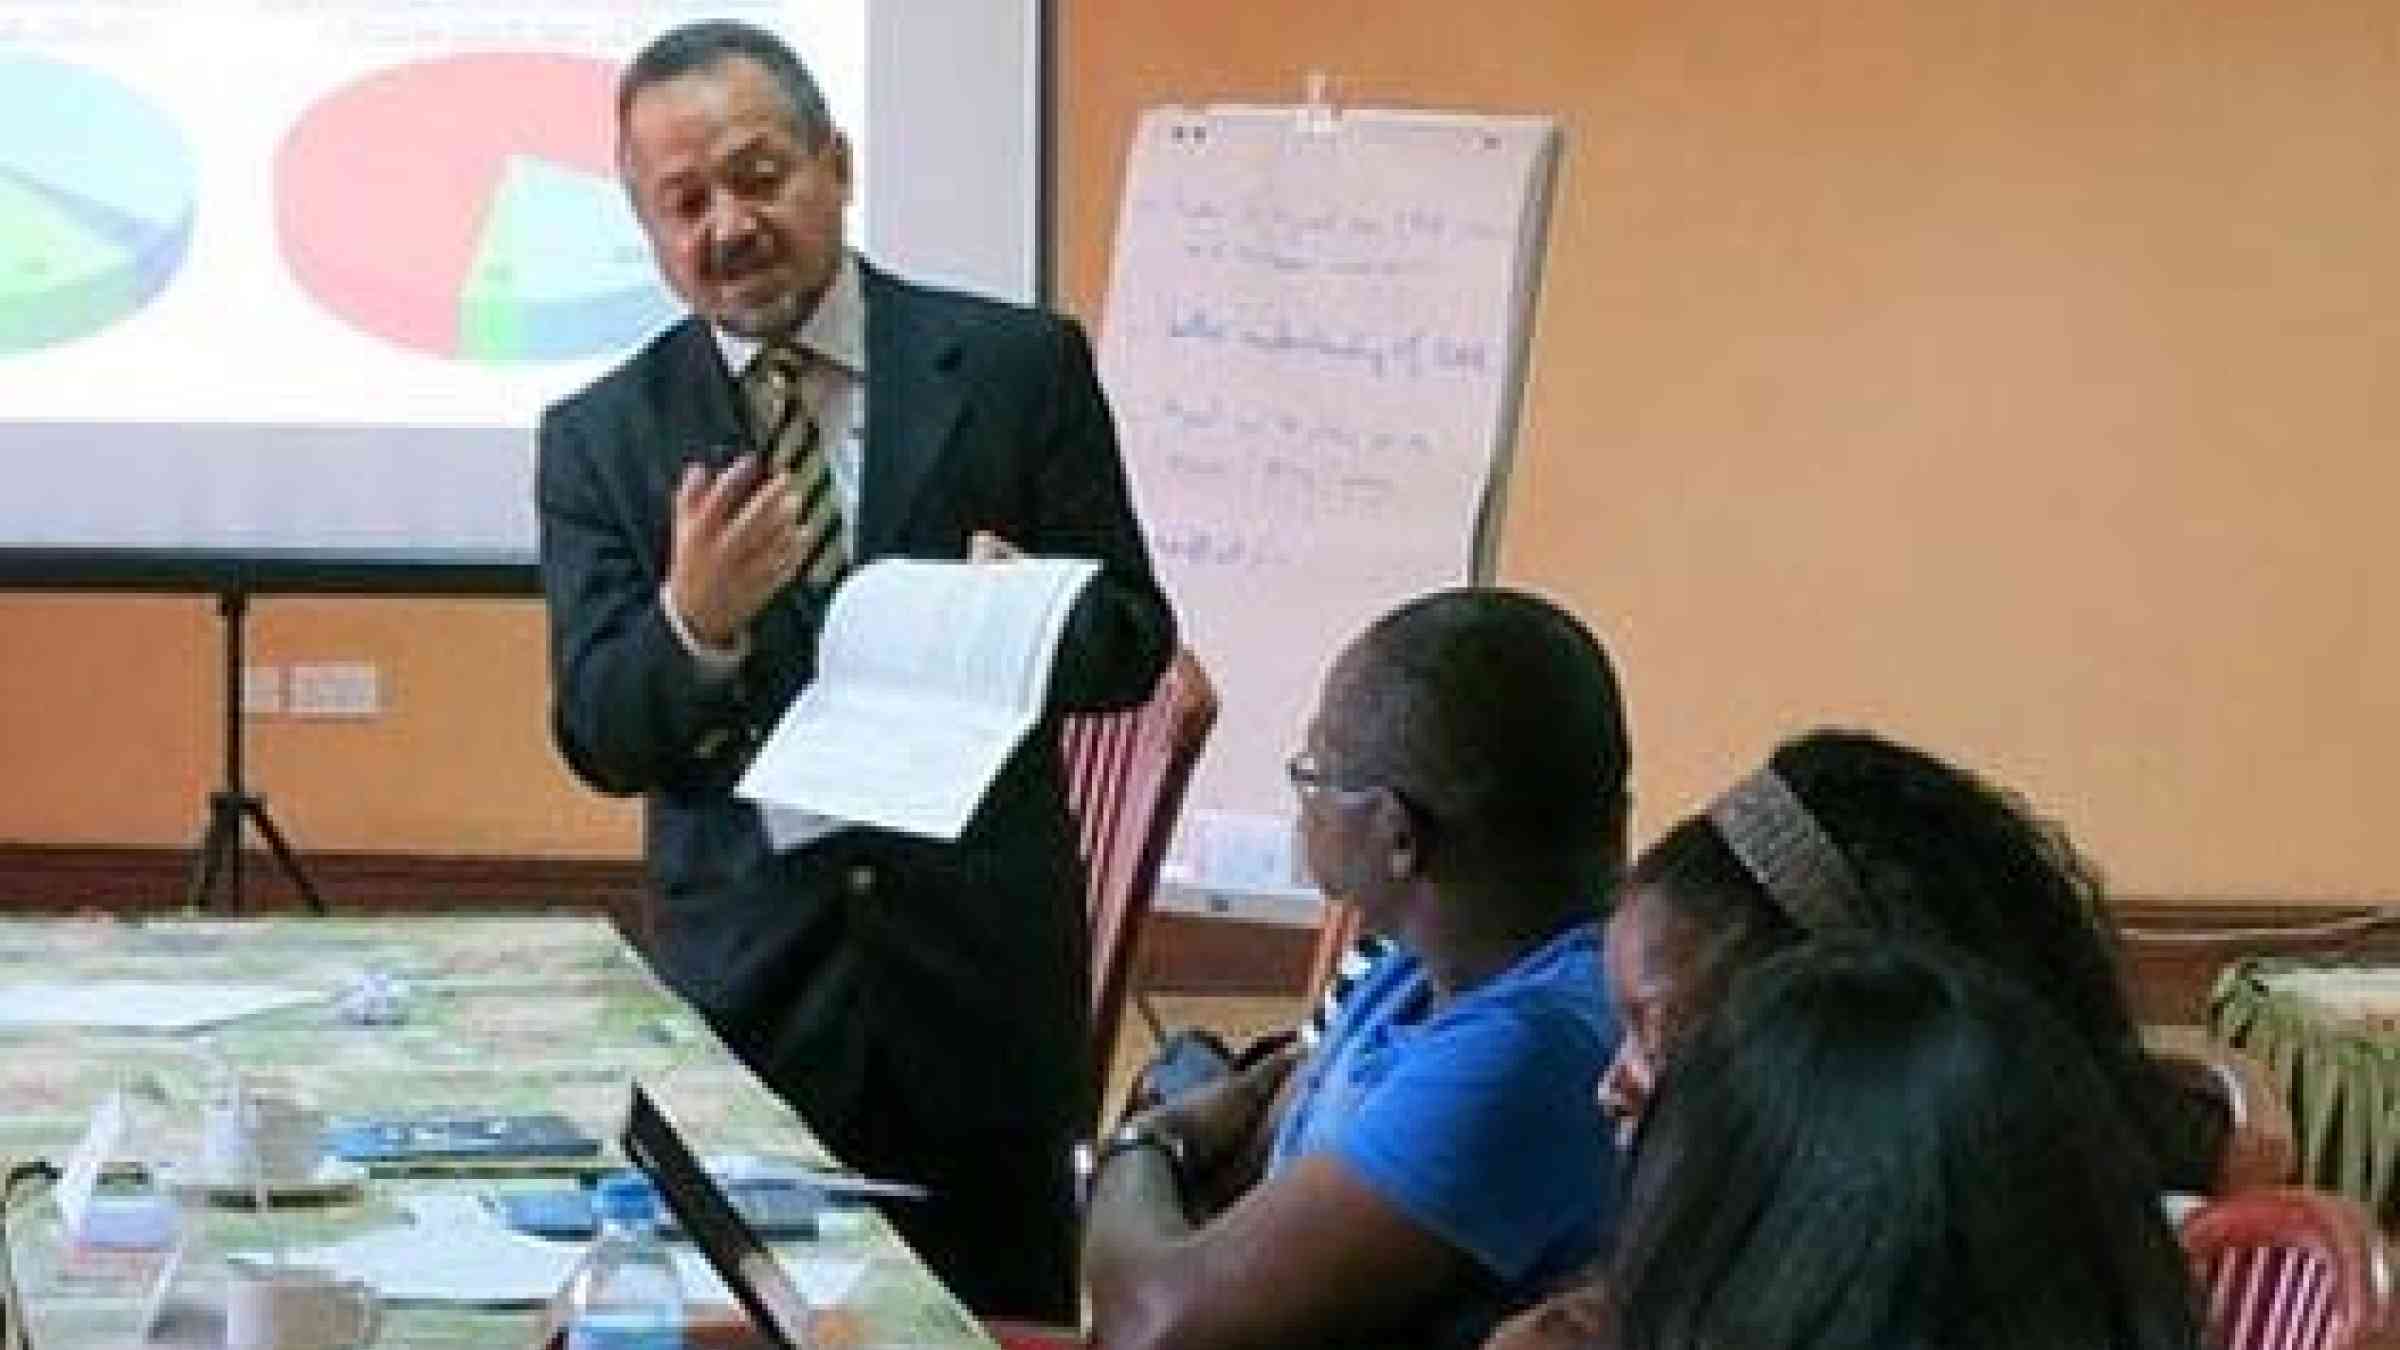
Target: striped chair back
[2288,1268]
[2273,1298]
[1337,941]
[1126,774]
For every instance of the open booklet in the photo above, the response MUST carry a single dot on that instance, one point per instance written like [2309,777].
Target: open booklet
[928,676]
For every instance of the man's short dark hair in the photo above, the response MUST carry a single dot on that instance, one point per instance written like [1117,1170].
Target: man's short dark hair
[1497,713]
[711,42]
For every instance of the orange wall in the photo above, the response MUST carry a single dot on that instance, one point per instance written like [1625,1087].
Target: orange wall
[110,717]
[2013,377]
[2023,379]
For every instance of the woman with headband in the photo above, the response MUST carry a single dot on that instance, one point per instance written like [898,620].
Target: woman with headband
[1843,831]
[1876,1145]
[1848,835]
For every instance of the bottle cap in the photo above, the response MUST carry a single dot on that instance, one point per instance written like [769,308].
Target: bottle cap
[624,1197]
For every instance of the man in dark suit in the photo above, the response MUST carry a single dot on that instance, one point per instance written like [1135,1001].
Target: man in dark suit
[923,1004]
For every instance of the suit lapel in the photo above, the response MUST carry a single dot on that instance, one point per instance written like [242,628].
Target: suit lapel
[914,393]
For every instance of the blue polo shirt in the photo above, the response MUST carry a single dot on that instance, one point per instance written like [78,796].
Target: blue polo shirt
[1477,1119]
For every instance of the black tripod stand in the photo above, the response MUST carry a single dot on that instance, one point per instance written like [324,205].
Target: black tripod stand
[229,806]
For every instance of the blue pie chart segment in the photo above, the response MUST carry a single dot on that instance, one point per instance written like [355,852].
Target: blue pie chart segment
[560,269]
[97,194]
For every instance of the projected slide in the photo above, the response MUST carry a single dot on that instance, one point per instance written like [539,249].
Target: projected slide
[96,202]
[467,207]
[305,274]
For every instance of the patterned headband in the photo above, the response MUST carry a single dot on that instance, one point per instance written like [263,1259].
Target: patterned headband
[1783,848]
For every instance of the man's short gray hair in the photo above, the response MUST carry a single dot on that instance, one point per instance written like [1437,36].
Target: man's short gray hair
[704,45]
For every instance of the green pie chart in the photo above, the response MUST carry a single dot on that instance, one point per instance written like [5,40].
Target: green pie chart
[96,202]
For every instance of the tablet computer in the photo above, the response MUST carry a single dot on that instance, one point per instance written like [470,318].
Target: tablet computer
[776,1307]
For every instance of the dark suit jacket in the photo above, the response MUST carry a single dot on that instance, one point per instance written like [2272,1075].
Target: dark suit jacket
[960,969]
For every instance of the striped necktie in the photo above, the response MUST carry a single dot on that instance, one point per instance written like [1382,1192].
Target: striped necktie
[792,441]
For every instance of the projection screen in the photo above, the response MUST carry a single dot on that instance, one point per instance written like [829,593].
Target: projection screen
[296,277]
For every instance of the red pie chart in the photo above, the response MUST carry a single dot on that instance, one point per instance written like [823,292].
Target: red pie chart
[468,207]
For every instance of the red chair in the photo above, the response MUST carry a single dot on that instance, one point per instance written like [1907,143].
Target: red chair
[1126,775]
[1337,932]
[2289,1268]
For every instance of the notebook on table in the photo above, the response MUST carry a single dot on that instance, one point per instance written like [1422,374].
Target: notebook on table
[776,1208]
[460,1140]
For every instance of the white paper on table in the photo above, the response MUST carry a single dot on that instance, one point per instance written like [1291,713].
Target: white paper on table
[929,674]
[452,1252]
[457,1252]
[142,1005]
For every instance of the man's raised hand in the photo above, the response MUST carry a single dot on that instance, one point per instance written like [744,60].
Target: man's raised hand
[736,543]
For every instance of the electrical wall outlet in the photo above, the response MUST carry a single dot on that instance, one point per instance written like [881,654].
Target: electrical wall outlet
[335,689]
[262,690]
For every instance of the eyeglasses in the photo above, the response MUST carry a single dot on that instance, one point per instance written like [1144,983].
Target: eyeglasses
[1310,779]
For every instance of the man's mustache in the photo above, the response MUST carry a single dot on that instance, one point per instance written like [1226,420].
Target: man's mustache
[736,254]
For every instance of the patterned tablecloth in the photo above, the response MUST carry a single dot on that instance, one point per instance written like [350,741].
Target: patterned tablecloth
[500,1014]
[2330,1036]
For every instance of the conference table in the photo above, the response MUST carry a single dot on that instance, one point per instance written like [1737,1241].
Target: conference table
[2329,1035]
[493,1014]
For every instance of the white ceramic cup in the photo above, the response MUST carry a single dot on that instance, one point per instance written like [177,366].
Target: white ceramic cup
[284,1136]
[298,1308]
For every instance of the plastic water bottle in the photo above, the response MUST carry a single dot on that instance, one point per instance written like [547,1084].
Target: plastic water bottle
[623,1295]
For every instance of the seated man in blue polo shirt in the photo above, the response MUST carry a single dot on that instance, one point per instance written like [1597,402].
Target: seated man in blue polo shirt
[1440,1161]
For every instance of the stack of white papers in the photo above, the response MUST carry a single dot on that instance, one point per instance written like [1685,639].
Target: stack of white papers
[141,1005]
[452,1251]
